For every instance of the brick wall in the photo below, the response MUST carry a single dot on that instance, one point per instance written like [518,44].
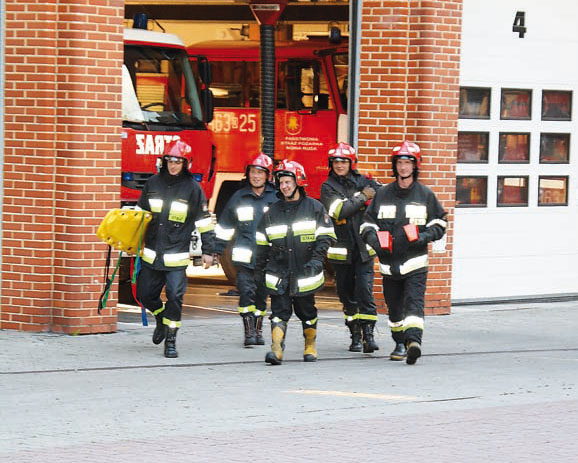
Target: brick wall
[61,160]
[410,54]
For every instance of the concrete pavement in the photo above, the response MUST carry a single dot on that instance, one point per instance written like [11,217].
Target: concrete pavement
[496,384]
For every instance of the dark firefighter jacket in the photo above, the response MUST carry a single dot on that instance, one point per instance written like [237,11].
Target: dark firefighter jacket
[346,205]
[179,206]
[238,223]
[292,242]
[391,209]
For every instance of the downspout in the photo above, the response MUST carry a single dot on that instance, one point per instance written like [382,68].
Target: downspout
[267,12]
[355,8]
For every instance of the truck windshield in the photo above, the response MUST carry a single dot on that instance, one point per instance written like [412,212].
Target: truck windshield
[161,88]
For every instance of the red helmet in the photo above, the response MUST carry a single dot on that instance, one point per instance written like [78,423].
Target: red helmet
[261,161]
[407,150]
[291,169]
[179,149]
[343,151]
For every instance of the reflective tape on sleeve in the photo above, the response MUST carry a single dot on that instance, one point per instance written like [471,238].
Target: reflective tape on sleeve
[440,222]
[271,281]
[148,255]
[413,264]
[225,234]
[365,225]
[310,283]
[177,259]
[384,269]
[261,239]
[335,208]
[327,231]
[204,225]
[337,253]
[156,204]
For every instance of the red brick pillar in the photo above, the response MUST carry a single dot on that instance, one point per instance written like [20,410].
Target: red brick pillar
[409,89]
[61,161]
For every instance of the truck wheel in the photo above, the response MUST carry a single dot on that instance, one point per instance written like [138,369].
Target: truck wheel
[228,267]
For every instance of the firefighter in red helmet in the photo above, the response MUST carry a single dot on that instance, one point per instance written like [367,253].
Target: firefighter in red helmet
[345,194]
[402,219]
[292,241]
[236,225]
[178,206]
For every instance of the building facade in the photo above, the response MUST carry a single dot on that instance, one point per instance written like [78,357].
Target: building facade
[484,87]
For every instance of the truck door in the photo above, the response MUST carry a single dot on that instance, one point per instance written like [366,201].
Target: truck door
[306,118]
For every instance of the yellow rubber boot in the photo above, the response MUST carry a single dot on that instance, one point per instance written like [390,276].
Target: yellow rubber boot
[310,352]
[278,330]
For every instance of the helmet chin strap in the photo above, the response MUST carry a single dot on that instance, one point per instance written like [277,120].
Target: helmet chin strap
[406,177]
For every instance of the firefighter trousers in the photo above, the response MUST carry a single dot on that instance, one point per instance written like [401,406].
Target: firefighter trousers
[282,307]
[150,284]
[405,302]
[252,295]
[354,283]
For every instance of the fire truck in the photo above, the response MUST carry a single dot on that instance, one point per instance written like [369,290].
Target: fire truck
[310,99]
[162,99]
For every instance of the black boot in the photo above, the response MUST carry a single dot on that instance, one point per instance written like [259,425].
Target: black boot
[160,330]
[399,352]
[413,352]
[259,331]
[369,344]
[170,343]
[250,334]
[355,330]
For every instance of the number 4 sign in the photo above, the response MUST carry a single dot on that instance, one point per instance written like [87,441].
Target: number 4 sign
[520,23]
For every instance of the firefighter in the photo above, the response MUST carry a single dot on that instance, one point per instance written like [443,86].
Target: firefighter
[409,213]
[292,241]
[345,194]
[238,224]
[178,205]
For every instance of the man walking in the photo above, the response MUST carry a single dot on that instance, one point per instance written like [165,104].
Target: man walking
[178,205]
[345,194]
[292,241]
[402,219]
[238,224]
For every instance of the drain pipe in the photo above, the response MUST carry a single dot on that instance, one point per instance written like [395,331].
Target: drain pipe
[355,8]
[267,12]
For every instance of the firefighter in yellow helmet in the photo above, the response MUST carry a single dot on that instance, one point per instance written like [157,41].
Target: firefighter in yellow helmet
[178,206]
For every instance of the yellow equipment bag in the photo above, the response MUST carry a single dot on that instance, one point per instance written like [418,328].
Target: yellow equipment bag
[123,229]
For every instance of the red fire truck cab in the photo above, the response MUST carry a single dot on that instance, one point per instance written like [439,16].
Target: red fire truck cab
[162,100]
[310,100]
